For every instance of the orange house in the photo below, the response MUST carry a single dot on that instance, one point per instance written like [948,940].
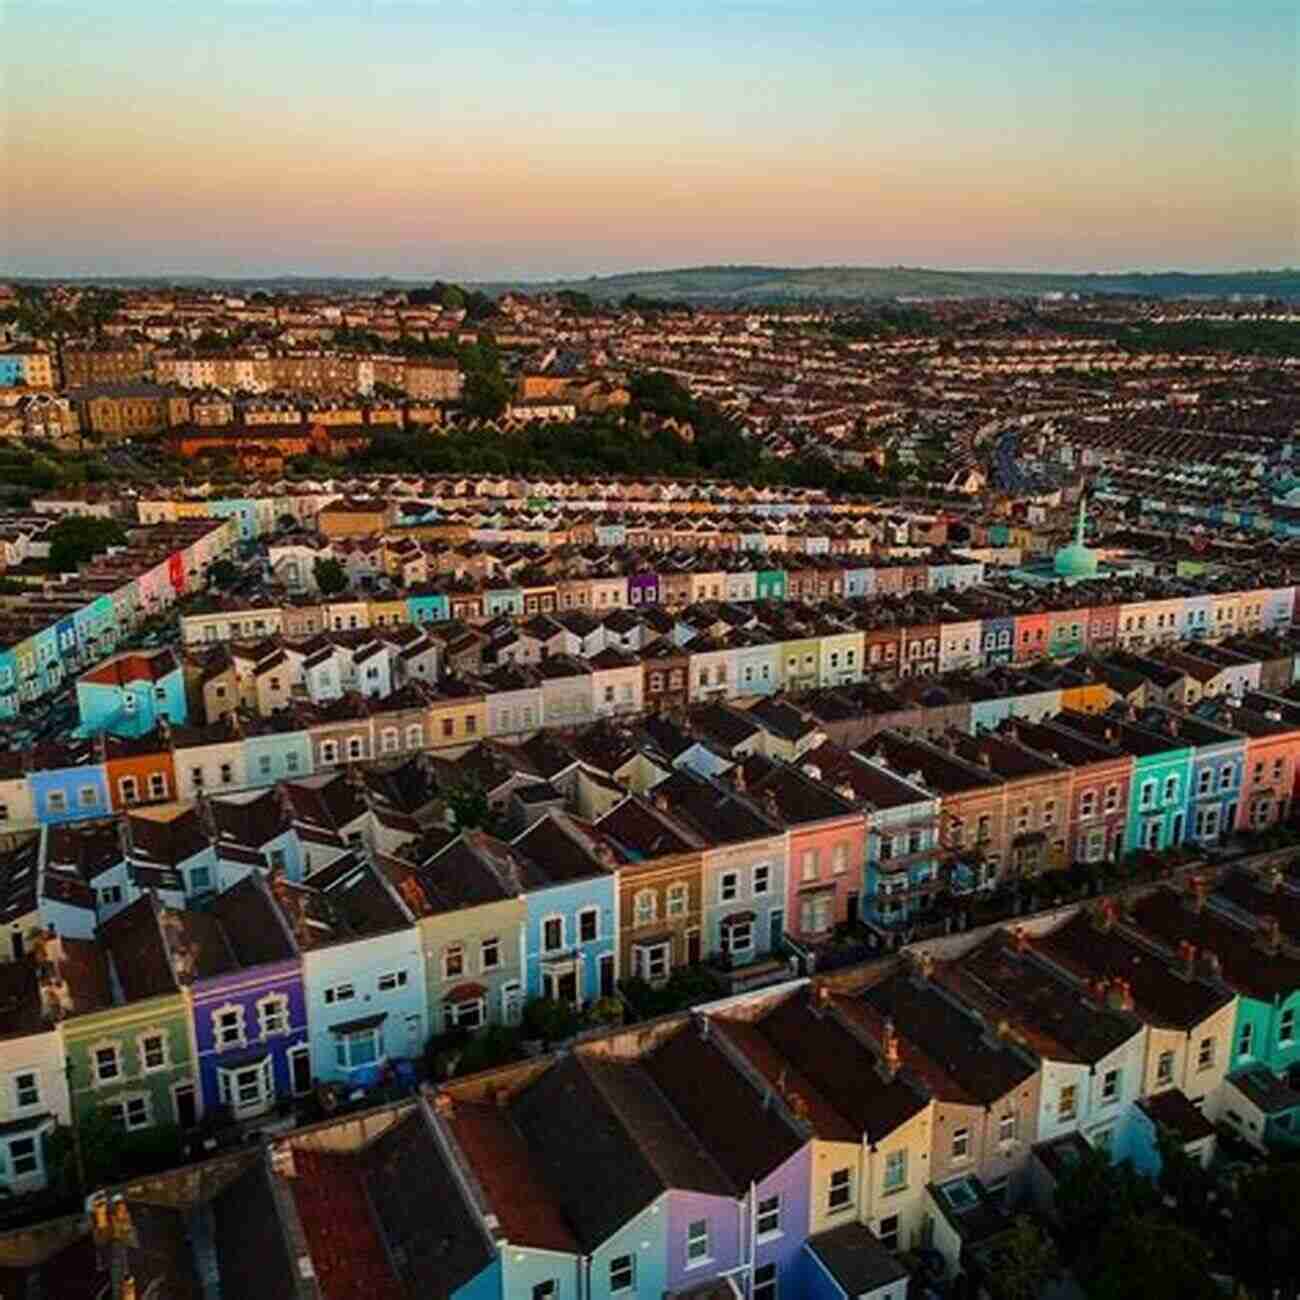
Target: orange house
[139,770]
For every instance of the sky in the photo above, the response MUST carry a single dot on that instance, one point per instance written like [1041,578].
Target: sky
[480,141]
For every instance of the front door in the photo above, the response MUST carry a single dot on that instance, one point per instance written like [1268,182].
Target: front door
[692,947]
[607,975]
[414,1037]
[776,929]
[187,1114]
[300,1070]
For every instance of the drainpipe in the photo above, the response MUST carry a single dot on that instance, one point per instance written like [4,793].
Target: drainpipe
[753,1234]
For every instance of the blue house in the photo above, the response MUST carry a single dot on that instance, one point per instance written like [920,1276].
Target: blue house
[1218,763]
[69,781]
[570,890]
[129,694]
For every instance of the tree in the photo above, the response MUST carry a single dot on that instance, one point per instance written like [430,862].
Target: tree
[331,576]
[78,538]
[1025,1260]
[1093,1195]
[470,809]
[1149,1257]
[223,573]
[453,298]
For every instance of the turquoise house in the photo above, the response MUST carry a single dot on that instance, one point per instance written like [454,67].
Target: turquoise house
[503,602]
[425,604]
[771,584]
[241,509]
[272,754]
[130,694]
[1162,779]
[860,582]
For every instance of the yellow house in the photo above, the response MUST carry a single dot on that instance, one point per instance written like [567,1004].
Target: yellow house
[387,613]
[870,1127]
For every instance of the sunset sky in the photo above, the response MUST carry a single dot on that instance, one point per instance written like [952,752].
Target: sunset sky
[494,140]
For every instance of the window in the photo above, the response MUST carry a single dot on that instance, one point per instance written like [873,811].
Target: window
[547,1290]
[961,1144]
[1205,1054]
[762,879]
[27,1089]
[888,1233]
[1067,1105]
[895,1171]
[1165,1068]
[1112,798]
[108,1067]
[248,1090]
[768,1218]
[390,980]
[227,774]
[129,789]
[1225,777]
[839,1191]
[738,938]
[453,961]
[465,1015]
[645,906]
[361,1047]
[765,1283]
[291,762]
[553,934]
[651,961]
[1204,780]
[697,1242]
[1246,1042]
[1049,812]
[810,864]
[1110,1087]
[490,954]
[22,1156]
[131,1113]
[1171,789]
[589,925]
[354,747]
[153,1052]
[1007,1129]
[56,801]
[339,993]
[264,764]
[273,1015]
[329,751]
[840,859]
[1286,1026]
[1148,797]
[677,899]
[110,895]
[622,1274]
[228,1026]
[729,886]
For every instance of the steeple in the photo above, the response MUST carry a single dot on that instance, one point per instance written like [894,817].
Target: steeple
[1083,515]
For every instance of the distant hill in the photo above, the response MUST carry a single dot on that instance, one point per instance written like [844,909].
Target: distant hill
[744,285]
[773,284]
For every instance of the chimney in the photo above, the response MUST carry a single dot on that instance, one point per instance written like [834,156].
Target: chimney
[738,774]
[770,805]
[922,965]
[1107,914]
[1270,934]
[1019,941]
[123,1228]
[128,1288]
[891,1058]
[1275,879]
[821,999]
[1197,889]
[1187,958]
[443,1106]
[1119,996]
[100,1226]
[1213,966]
[985,759]
[1097,991]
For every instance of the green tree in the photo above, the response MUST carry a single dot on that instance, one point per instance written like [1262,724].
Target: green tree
[1149,1257]
[1093,1196]
[78,538]
[469,806]
[223,573]
[331,576]
[453,297]
[1026,1260]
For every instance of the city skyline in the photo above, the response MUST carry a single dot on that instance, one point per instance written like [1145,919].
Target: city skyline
[558,140]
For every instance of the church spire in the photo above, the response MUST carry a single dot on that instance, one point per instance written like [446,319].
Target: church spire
[1083,515]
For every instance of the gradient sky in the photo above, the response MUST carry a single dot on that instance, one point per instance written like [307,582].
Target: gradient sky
[493,140]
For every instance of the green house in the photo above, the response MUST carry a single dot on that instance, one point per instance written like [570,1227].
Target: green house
[126,1024]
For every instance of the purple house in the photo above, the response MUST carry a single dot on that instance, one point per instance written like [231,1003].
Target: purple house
[765,1155]
[643,588]
[245,980]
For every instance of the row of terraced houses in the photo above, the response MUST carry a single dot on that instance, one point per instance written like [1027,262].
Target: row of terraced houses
[792,1141]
